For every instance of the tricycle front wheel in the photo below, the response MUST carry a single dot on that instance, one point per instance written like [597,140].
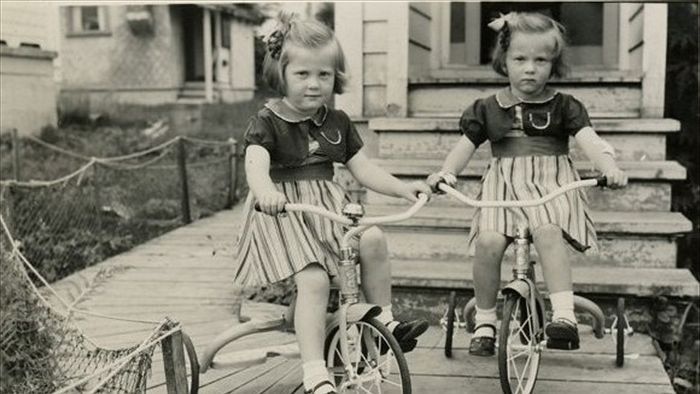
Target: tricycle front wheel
[375,362]
[519,349]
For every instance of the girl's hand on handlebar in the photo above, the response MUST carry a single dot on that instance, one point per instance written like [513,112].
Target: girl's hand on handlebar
[441,176]
[271,202]
[412,189]
[616,178]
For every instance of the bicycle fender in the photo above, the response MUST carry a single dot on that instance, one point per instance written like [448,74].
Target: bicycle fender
[362,311]
[355,312]
[520,286]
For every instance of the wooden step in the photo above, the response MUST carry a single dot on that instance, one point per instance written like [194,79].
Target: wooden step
[640,282]
[460,218]
[643,170]
[452,96]
[428,138]
[485,74]
[649,188]
[626,239]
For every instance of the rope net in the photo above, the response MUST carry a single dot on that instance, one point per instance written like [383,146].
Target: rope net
[42,351]
[79,212]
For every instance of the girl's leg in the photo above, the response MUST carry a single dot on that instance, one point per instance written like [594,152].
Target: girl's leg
[375,269]
[556,268]
[490,247]
[309,322]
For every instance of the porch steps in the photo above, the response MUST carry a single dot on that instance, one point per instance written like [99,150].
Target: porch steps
[433,137]
[636,228]
[639,282]
[649,188]
[447,95]
[627,239]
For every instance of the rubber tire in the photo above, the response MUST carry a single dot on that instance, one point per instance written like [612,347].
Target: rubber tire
[509,306]
[194,363]
[393,345]
[620,353]
[450,328]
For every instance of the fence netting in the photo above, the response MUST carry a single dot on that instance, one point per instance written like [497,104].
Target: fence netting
[105,206]
[79,212]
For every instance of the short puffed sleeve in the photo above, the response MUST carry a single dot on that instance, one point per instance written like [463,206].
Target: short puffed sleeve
[472,123]
[575,115]
[353,141]
[261,132]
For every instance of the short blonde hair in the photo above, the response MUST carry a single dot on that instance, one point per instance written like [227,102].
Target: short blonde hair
[308,34]
[530,22]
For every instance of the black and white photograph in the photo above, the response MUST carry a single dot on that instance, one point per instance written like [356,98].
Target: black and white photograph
[454,197]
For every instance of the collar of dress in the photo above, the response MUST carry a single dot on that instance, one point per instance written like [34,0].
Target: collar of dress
[283,111]
[507,99]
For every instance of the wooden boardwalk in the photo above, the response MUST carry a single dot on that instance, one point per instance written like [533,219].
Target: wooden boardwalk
[187,275]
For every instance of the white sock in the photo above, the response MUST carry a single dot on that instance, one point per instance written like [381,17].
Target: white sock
[485,316]
[563,305]
[387,317]
[315,372]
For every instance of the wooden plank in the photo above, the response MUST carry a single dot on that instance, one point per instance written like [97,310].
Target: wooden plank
[480,385]
[636,345]
[572,367]
[174,364]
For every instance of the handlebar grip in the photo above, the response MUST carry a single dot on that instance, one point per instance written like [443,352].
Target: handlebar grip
[602,181]
[257,208]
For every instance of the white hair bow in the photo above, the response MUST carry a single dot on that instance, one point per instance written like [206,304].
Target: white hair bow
[498,23]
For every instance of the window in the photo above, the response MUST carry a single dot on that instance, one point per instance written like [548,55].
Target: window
[86,20]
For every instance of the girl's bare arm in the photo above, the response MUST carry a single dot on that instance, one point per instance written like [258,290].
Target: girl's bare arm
[257,169]
[602,155]
[374,177]
[459,156]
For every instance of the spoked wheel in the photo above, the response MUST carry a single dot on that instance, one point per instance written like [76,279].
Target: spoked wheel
[620,332]
[375,363]
[519,348]
[450,323]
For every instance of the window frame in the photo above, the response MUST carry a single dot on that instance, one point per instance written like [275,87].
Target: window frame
[74,19]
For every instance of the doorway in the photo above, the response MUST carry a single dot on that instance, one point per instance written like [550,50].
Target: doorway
[592,31]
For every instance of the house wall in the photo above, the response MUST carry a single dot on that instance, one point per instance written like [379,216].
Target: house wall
[119,66]
[29,23]
[419,40]
[27,71]
[28,94]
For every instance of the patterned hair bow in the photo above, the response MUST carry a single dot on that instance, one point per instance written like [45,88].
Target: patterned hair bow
[499,23]
[275,40]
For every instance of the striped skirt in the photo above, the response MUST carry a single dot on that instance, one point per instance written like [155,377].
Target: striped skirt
[531,177]
[273,248]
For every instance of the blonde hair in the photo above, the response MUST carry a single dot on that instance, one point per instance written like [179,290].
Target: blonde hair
[309,34]
[530,22]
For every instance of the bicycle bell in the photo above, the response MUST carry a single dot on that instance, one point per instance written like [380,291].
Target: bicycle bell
[353,211]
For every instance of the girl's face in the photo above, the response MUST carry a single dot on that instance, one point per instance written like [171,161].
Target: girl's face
[309,77]
[529,63]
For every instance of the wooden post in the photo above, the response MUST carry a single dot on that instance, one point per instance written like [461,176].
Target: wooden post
[184,184]
[397,61]
[349,29]
[8,211]
[97,198]
[174,364]
[232,172]
[208,72]
[15,155]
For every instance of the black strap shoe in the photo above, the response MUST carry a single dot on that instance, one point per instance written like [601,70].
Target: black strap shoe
[408,330]
[483,346]
[562,334]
